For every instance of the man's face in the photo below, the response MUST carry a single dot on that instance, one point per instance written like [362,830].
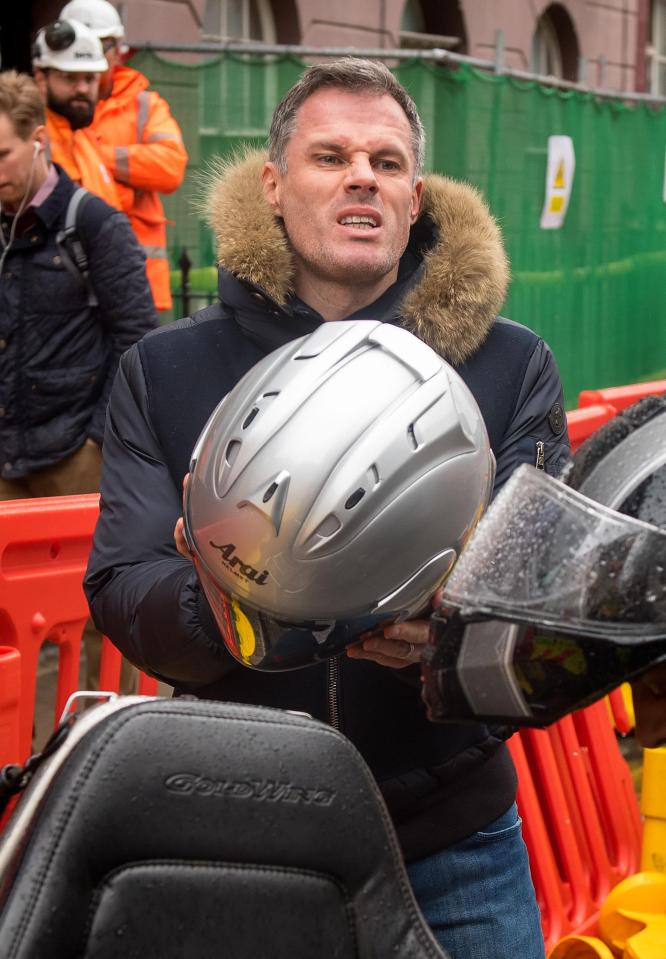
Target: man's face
[72,95]
[114,59]
[17,160]
[348,197]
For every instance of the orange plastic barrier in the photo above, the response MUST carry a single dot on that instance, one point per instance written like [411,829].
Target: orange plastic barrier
[582,423]
[581,818]
[10,686]
[621,396]
[44,546]
[622,720]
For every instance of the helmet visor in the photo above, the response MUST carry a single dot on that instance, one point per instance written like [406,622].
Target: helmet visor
[264,642]
[545,554]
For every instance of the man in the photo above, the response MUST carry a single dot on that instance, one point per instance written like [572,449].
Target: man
[58,353]
[345,228]
[67,63]
[139,140]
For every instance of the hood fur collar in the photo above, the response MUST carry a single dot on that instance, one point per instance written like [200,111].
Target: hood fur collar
[461,287]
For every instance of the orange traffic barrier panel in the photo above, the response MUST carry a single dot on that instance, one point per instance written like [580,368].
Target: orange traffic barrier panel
[621,396]
[44,546]
[621,709]
[581,820]
[582,423]
[10,686]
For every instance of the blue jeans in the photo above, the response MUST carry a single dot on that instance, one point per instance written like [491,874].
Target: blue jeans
[477,896]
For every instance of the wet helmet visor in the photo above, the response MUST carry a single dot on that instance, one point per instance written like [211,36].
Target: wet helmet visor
[546,554]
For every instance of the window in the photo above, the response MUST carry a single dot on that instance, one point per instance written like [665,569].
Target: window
[238,20]
[555,50]
[657,49]
[546,56]
[428,24]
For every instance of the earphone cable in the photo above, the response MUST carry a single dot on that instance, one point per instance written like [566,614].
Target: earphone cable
[7,244]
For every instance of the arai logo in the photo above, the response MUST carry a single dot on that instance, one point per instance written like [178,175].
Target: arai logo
[235,563]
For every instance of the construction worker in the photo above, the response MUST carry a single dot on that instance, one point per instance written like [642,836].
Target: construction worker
[139,139]
[67,62]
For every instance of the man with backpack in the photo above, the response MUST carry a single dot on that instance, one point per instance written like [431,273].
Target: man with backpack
[73,298]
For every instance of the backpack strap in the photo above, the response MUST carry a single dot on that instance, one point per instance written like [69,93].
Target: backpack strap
[70,246]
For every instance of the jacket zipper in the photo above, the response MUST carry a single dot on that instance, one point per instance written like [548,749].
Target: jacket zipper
[540,455]
[333,667]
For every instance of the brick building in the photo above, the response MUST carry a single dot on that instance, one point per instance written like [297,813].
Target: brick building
[617,44]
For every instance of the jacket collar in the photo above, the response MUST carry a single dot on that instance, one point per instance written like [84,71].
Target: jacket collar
[453,275]
[52,208]
[127,83]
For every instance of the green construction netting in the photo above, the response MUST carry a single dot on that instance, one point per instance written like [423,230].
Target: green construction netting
[594,289]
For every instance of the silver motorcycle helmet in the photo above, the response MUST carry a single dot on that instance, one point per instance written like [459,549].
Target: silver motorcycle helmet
[332,490]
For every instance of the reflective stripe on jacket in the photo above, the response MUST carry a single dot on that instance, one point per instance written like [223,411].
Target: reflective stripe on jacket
[77,152]
[142,146]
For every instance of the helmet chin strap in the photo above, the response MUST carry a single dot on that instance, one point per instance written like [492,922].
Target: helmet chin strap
[7,244]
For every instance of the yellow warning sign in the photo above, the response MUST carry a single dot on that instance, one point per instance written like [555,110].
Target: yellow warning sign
[559,181]
[559,177]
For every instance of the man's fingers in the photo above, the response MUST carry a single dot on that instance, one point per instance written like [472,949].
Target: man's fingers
[395,646]
[413,631]
[179,539]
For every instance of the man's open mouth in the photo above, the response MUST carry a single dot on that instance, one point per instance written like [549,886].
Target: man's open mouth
[359,222]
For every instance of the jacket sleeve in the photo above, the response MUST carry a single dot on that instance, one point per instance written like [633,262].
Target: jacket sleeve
[126,308]
[143,594]
[158,160]
[538,417]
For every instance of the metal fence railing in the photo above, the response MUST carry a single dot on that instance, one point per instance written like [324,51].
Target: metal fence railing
[594,289]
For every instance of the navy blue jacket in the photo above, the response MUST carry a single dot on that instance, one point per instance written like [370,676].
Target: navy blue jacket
[58,355]
[441,783]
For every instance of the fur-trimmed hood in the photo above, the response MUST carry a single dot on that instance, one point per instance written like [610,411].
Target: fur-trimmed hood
[465,271]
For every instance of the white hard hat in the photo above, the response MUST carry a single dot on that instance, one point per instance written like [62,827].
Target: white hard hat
[98,15]
[332,490]
[70,46]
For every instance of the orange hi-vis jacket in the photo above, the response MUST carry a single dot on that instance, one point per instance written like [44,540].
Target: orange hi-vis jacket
[78,153]
[142,146]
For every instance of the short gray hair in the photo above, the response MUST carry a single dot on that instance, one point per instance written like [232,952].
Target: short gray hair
[347,73]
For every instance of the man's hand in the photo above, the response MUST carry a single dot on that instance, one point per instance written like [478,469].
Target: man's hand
[397,645]
[649,693]
[179,529]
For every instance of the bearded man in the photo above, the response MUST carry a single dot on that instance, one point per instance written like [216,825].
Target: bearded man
[67,62]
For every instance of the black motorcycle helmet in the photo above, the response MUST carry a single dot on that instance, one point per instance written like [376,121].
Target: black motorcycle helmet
[549,566]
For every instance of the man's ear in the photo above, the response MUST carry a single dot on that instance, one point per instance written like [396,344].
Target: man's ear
[40,80]
[270,183]
[415,208]
[39,135]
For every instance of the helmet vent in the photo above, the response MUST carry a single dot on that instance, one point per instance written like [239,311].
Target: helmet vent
[232,452]
[412,436]
[269,492]
[355,498]
[325,530]
[250,416]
